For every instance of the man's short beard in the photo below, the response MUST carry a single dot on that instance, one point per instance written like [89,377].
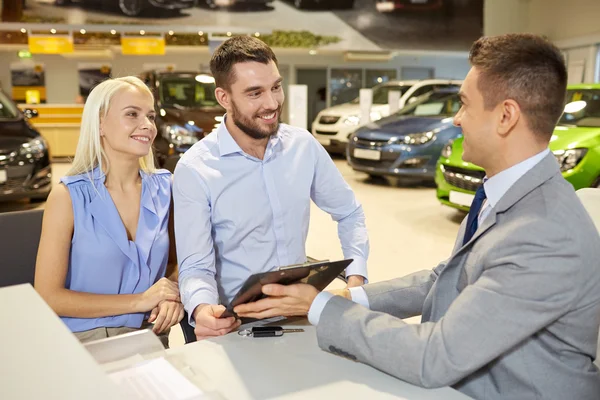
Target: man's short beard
[250,128]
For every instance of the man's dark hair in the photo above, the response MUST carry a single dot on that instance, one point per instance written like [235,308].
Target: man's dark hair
[527,69]
[238,49]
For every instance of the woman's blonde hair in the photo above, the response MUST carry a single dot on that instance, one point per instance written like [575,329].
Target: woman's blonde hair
[89,153]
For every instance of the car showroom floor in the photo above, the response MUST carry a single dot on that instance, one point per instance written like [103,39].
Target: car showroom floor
[408,229]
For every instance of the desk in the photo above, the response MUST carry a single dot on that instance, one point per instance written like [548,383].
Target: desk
[291,367]
[42,359]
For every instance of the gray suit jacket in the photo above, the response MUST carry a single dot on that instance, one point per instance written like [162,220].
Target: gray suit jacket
[513,314]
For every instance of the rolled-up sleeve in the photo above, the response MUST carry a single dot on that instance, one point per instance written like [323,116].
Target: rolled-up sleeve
[195,252]
[332,194]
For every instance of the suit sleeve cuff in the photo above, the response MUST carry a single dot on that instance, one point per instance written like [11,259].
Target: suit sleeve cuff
[358,267]
[359,295]
[317,306]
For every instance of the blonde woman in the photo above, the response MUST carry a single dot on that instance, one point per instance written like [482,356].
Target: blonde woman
[106,236]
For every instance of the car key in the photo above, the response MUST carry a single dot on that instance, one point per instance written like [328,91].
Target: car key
[267,331]
[270,331]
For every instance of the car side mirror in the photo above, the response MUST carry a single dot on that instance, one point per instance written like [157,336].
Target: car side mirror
[30,113]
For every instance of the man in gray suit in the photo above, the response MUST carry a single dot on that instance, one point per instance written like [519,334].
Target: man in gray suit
[514,312]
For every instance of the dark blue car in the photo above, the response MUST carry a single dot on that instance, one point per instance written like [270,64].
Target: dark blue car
[409,142]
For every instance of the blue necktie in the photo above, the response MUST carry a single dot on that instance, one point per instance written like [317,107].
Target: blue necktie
[474,213]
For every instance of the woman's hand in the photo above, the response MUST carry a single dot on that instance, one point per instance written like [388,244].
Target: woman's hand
[165,315]
[163,290]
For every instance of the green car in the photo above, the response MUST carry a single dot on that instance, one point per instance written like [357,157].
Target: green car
[575,144]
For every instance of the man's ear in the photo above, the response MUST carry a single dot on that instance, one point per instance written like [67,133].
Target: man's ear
[510,114]
[223,97]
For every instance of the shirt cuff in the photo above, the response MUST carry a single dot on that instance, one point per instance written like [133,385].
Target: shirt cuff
[359,295]
[358,267]
[200,297]
[317,306]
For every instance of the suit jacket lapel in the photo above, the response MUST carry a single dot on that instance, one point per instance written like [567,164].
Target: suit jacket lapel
[448,278]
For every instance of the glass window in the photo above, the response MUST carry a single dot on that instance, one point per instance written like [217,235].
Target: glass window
[381,92]
[438,103]
[8,110]
[345,85]
[582,108]
[376,77]
[187,91]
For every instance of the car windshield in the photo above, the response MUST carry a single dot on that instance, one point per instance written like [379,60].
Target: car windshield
[8,110]
[433,104]
[582,108]
[188,92]
[380,93]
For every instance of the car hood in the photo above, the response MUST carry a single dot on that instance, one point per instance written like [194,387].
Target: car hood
[402,126]
[348,109]
[563,138]
[204,118]
[576,137]
[13,133]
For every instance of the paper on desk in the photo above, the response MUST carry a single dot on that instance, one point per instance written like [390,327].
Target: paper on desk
[156,379]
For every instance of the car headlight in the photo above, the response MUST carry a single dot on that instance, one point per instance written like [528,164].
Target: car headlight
[447,150]
[375,116]
[179,135]
[352,120]
[355,119]
[419,138]
[568,159]
[34,148]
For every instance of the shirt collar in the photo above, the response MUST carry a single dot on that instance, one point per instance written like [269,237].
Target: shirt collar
[228,145]
[499,184]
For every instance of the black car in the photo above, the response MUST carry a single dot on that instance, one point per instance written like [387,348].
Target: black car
[187,111]
[229,3]
[25,170]
[134,8]
[326,4]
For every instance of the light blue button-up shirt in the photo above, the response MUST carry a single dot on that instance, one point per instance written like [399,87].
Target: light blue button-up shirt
[495,188]
[237,215]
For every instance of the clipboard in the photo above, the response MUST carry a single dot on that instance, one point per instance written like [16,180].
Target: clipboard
[318,274]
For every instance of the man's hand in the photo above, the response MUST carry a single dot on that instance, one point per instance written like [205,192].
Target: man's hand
[208,323]
[287,301]
[345,293]
[354,281]
[165,315]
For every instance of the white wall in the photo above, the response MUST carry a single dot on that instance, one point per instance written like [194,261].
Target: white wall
[572,24]
[62,79]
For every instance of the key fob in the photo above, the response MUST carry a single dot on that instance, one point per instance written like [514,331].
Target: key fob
[267,331]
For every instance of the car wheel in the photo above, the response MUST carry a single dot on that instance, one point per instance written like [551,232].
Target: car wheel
[39,199]
[131,8]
